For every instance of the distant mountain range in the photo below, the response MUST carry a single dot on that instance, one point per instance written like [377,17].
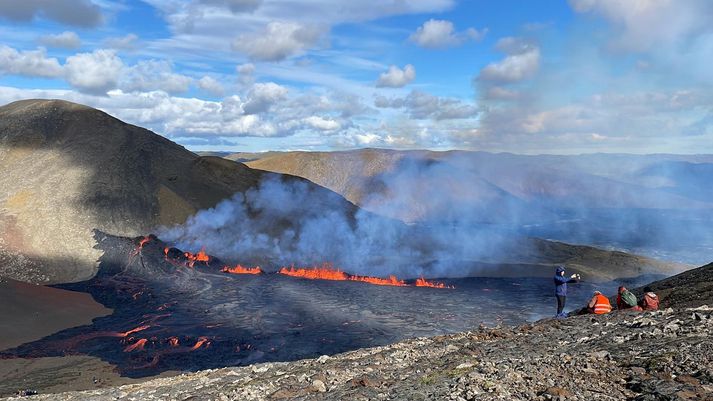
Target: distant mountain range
[428,186]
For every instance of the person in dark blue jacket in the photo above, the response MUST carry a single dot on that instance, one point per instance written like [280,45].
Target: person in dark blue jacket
[561,288]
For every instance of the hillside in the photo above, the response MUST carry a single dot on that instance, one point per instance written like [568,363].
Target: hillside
[66,169]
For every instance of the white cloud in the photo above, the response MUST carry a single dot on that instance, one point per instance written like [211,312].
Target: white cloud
[628,119]
[149,75]
[262,96]
[211,85]
[66,39]
[439,34]
[646,24]
[322,123]
[521,62]
[396,77]
[245,69]
[95,73]
[423,105]
[236,6]
[196,16]
[278,41]
[83,13]
[127,42]
[500,93]
[31,63]
[245,73]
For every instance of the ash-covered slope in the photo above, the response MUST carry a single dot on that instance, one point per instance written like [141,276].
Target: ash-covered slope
[66,169]
[691,288]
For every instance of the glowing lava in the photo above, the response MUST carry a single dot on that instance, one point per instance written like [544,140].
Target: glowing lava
[132,331]
[422,282]
[201,342]
[238,269]
[201,256]
[145,240]
[137,346]
[391,280]
[328,272]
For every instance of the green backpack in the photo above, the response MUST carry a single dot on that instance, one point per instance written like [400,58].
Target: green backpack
[628,298]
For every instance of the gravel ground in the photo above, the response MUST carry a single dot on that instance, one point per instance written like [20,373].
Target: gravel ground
[663,355]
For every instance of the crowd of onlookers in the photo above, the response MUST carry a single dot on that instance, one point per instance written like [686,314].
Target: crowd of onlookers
[600,304]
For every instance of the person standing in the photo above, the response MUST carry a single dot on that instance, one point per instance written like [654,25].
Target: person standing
[561,288]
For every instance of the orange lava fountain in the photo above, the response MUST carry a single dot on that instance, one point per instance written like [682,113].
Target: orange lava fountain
[238,269]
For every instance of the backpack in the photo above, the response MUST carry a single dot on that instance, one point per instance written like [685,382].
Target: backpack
[628,298]
[650,301]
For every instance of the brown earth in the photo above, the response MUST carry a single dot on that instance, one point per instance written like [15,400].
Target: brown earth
[29,312]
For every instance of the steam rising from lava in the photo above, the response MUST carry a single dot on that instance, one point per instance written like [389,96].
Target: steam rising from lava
[281,223]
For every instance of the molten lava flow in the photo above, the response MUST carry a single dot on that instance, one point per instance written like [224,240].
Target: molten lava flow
[201,341]
[422,282]
[145,240]
[132,331]
[328,272]
[238,269]
[137,346]
[392,280]
[201,256]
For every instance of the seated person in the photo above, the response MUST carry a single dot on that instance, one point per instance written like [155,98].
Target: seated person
[649,301]
[598,305]
[626,300]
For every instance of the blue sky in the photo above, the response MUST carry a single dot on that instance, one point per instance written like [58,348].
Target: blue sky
[565,77]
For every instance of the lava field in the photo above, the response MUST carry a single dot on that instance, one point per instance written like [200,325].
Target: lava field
[179,311]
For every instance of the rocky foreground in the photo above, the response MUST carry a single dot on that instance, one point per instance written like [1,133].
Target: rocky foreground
[663,355]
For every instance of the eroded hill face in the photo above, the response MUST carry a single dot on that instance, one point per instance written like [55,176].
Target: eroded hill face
[66,169]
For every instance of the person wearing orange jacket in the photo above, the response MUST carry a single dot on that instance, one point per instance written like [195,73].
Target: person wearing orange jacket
[599,304]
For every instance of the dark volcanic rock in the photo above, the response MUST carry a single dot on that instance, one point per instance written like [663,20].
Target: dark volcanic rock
[662,355]
[583,358]
[691,288]
[168,316]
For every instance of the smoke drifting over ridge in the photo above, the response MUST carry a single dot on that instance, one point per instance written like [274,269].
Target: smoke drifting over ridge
[462,208]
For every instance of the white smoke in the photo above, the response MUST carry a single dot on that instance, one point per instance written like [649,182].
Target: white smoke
[281,222]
